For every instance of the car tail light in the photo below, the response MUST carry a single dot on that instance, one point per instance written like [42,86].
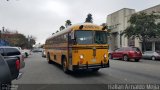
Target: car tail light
[17,64]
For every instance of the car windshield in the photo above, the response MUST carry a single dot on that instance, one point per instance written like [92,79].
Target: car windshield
[91,37]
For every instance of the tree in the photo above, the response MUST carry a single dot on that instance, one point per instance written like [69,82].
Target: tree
[31,42]
[103,24]
[61,28]
[68,23]
[143,26]
[19,40]
[89,18]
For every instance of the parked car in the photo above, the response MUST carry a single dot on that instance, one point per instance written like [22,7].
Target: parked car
[127,53]
[153,55]
[25,52]
[37,50]
[8,52]
[9,70]
[43,53]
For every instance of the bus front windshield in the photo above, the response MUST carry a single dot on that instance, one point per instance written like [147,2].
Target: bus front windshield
[91,37]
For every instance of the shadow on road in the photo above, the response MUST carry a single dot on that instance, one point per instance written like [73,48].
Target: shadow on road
[80,73]
[131,60]
[85,74]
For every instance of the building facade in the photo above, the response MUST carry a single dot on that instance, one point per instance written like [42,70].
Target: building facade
[118,22]
[153,44]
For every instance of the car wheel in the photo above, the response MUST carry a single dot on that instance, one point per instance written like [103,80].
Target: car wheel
[153,58]
[64,65]
[125,58]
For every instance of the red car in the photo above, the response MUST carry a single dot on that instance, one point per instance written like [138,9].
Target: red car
[127,53]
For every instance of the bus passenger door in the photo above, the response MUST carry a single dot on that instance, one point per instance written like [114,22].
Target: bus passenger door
[71,42]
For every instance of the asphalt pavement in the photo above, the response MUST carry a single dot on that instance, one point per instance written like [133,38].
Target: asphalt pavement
[38,72]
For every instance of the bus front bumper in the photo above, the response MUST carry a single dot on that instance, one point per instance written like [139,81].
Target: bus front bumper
[92,66]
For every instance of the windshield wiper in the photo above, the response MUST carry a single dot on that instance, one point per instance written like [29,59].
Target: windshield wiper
[98,42]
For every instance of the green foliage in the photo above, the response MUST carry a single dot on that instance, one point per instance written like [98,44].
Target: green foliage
[68,23]
[89,18]
[31,43]
[18,40]
[61,28]
[143,26]
[21,40]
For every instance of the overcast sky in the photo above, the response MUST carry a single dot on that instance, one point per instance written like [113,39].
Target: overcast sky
[41,18]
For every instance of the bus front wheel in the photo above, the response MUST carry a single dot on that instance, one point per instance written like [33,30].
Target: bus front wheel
[64,65]
[49,60]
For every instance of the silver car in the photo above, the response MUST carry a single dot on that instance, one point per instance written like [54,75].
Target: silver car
[151,55]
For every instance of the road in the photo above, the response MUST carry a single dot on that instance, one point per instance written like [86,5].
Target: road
[38,71]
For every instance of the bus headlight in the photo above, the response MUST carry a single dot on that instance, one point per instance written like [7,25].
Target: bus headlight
[105,56]
[81,56]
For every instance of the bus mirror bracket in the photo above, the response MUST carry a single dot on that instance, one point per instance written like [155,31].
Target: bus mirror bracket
[72,35]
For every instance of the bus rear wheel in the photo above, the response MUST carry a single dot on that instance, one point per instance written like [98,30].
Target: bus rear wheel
[64,65]
[49,59]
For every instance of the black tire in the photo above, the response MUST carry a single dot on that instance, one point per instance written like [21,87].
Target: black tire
[64,65]
[136,60]
[125,58]
[95,69]
[49,60]
[153,58]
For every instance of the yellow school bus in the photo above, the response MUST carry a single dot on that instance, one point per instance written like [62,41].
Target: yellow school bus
[81,46]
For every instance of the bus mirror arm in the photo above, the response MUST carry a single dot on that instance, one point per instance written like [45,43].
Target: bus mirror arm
[74,41]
